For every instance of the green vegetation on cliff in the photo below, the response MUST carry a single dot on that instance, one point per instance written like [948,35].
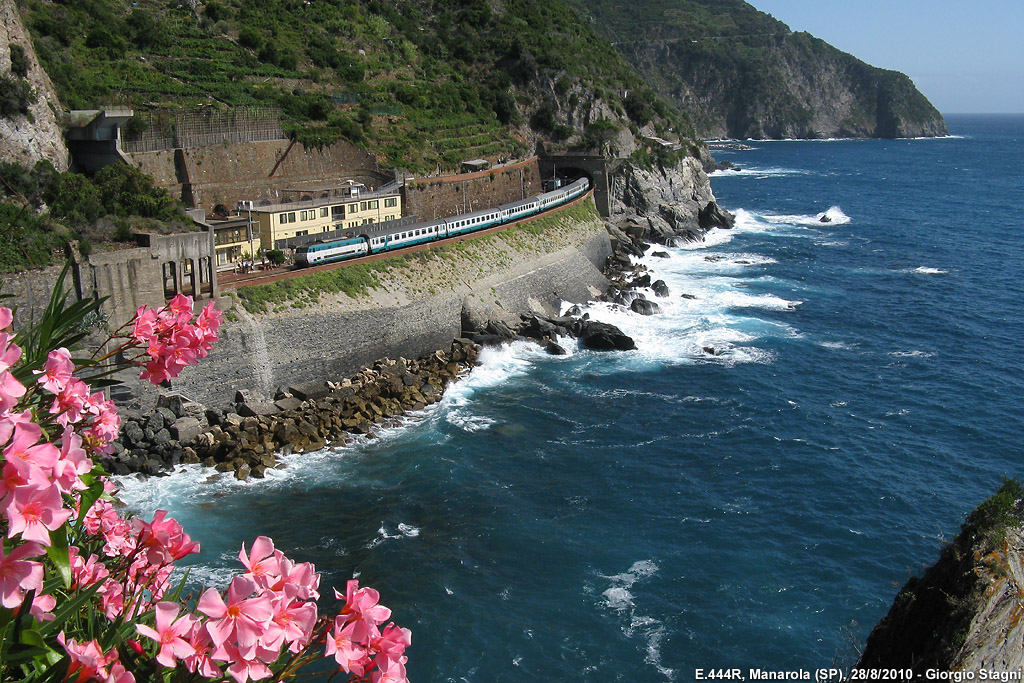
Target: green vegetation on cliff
[419,82]
[99,209]
[741,73]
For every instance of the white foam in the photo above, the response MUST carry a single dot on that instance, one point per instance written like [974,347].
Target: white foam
[754,172]
[498,365]
[621,600]
[403,531]
[911,354]
[834,345]
[834,215]
[924,270]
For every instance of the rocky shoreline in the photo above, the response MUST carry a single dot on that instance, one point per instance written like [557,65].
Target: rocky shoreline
[244,437]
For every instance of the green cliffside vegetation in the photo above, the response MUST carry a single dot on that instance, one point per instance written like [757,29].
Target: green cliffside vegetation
[741,73]
[421,83]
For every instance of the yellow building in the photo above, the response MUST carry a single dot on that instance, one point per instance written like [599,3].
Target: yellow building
[348,208]
[234,241]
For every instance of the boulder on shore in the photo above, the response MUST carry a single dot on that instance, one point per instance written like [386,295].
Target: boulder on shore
[605,337]
[644,307]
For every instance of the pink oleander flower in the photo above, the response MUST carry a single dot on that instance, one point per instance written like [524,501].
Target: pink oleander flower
[181,306]
[201,661]
[209,322]
[294,620]
[10,353]
[6,318]
[70,403]
[18,575]
[71,464]
[42,607]
[170,632]
[86,572]
[164,539]
[145,325]
[112,601]
[245,665]
[296,580]
[11,391]
[361,604]
[118,674]
[9,421]
[393,640]
[87,659]
[57,372]
[34,512]
[346,644]
[389,670]
[263,565]
[24,451]
[241,619]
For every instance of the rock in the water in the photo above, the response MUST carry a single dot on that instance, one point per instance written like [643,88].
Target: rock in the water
[555,349]
[660,288]
[605,337]
[714,216]
[660,254]
[644,307]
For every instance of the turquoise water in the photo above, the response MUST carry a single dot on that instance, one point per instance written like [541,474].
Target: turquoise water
[638,515]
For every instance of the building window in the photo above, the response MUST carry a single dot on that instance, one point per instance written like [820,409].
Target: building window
[323,212]
[307,215]
[353,208]
[373,204]
[390,201]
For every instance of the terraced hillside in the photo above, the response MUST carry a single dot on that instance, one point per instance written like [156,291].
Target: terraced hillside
[421,83]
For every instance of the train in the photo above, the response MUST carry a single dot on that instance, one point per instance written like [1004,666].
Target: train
[381,238]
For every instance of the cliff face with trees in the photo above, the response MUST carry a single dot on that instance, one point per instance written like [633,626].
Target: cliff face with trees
[740,73]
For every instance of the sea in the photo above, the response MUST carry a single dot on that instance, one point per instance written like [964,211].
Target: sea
[831,387]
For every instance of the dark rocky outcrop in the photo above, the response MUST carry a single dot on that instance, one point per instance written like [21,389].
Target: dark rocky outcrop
[604,337]
[714,216]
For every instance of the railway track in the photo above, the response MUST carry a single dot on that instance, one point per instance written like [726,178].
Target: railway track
[232,281]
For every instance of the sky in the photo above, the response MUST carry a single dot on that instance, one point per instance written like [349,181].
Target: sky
[966,56]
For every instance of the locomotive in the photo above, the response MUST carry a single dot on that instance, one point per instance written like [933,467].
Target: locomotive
[382,239]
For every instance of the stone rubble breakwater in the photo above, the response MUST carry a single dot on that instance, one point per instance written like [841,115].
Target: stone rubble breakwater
[244,438]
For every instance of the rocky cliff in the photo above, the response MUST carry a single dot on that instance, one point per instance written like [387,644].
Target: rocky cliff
[33,133]
[740,73]
[966,613]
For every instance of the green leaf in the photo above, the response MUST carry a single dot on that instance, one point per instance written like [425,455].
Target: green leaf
[58,553]
[89,496]
[66,610]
